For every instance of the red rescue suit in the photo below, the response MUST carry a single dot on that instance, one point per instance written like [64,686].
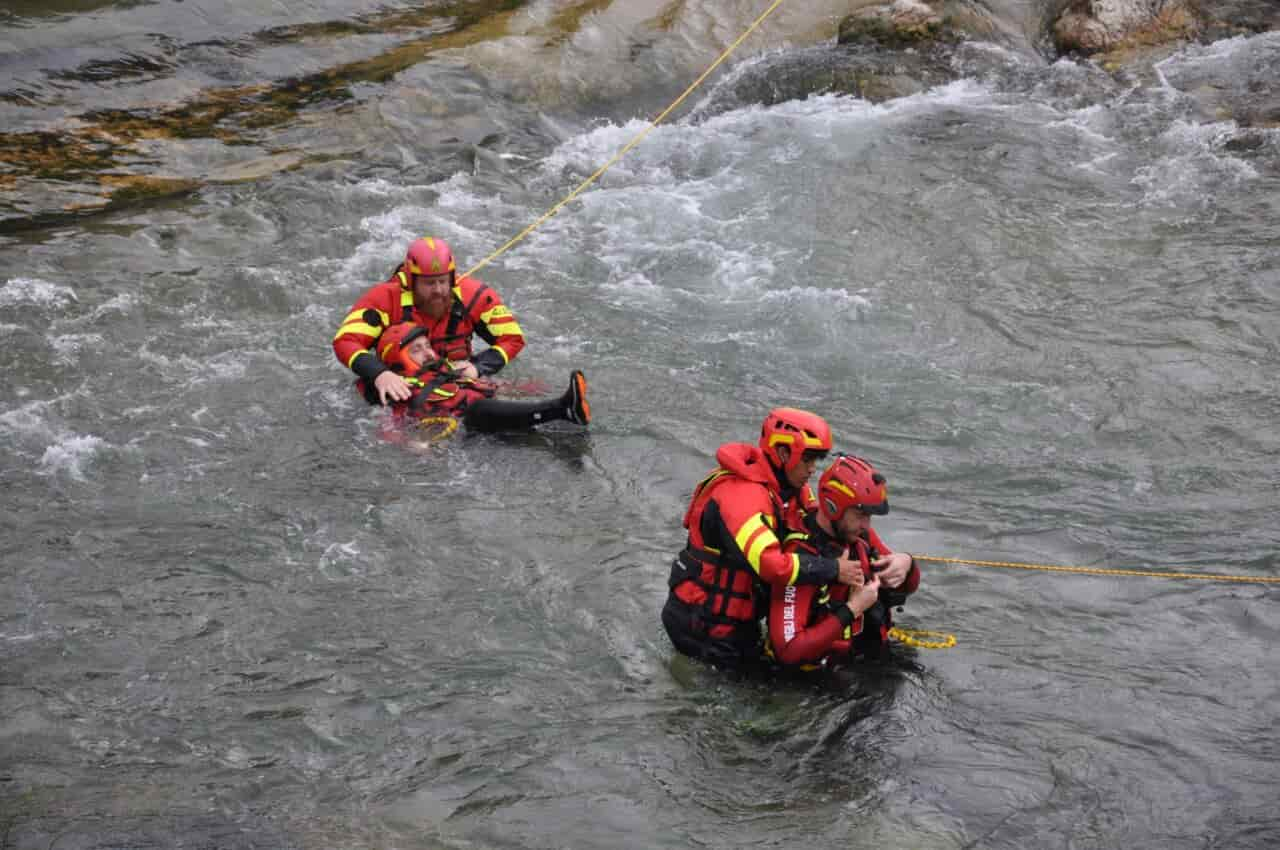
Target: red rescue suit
[808,627]
[720,583]
[437,391]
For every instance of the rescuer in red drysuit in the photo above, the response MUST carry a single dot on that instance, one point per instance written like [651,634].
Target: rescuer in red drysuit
[721,581]
[426,289]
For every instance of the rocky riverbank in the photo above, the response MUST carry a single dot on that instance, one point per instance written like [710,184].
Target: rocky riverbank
[68,162]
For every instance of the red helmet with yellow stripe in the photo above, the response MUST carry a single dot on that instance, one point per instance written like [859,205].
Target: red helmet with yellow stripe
[852,482]
[429,255]
[801,430]
[391,346]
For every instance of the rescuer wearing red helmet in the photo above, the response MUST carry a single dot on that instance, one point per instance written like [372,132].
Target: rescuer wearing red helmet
[809,626]
[426,289]
[439,389]
[721,581]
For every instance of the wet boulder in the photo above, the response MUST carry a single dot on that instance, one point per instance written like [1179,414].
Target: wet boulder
[903,23]
[1095,26]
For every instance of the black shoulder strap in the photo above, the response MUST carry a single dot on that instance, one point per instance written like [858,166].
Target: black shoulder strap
[456,315]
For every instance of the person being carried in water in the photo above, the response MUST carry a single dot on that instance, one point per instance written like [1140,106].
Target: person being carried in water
[733,561]
[442,390]
[812,626]
[426,289]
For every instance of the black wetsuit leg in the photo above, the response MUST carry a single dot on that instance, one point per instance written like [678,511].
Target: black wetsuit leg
[496,414]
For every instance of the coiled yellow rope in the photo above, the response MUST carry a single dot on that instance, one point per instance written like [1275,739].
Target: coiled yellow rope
[920,638]
[437,428]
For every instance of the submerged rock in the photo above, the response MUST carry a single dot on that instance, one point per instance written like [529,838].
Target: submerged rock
[867,71]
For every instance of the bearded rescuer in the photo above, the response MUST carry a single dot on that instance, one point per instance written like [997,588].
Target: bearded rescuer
[809,627]
[721,581]
[426,289]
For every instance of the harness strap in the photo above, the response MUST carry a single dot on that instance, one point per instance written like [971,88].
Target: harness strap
[456,315]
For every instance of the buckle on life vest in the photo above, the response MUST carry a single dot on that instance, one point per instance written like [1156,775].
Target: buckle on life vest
[683,569]
[687,566]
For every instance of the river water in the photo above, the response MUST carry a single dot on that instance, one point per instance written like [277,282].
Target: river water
[1043,299]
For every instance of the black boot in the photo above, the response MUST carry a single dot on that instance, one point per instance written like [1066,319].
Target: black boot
[575,399]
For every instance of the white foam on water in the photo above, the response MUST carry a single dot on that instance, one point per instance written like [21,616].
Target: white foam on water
[827,298]
[677,215]
[669,194]
[747,338]
[389,233]
[635,284]
[339,560]
[29,419]
[69,348]
[1195,168]
[226,367]
[29,290]
[124,304]
[1213,56]
[25,636]
[71,455]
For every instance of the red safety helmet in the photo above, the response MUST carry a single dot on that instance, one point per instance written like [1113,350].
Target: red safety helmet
[851,482]
[801,430]
[429,256]
[393,342]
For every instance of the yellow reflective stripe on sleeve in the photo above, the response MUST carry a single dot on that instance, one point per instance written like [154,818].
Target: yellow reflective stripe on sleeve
[500,321]
[357,354]
[795,569]
[753,538]
[355,323]
[498,311]
[749,529]
[358,328]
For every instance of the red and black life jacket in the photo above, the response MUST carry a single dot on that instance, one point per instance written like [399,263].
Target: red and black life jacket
[721,585]
[438,392]
[455,343]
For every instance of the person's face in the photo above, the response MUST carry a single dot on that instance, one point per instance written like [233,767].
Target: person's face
[431,293]
[799,475]
[420,350]
[852,524]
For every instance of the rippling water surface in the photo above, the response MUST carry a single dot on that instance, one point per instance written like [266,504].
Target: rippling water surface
[1045,300]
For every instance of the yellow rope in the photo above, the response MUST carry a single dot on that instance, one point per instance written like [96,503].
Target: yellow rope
[631,144]
[440,427]
[922,639]
[1102,571]
[919,638]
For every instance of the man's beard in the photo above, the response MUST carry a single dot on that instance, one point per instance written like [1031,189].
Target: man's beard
[433,307]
